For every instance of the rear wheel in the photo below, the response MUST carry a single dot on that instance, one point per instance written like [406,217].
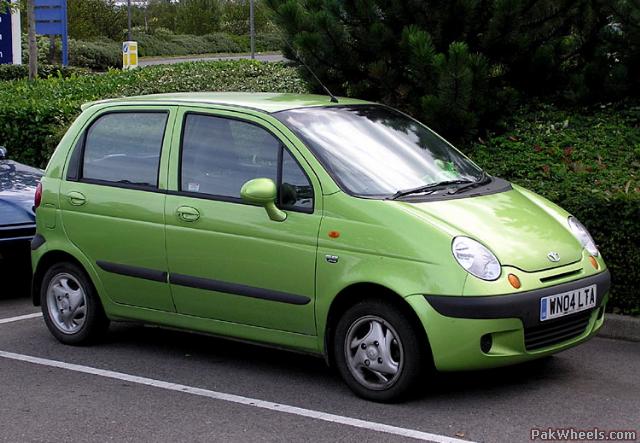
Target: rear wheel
[378,351]
[70,306]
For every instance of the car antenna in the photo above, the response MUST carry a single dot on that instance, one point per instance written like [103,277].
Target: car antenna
[334,99]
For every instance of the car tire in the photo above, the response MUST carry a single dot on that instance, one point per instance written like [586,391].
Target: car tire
[374,338]
[70,305]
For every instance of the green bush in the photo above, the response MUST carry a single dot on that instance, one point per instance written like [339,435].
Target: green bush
[264,42]
[587,161]
[98,55]
[33,116]
[221,43]
[465,65]
[102,53]
[163,42]
[42,45]
[16,72]
[235,17]
[170,44]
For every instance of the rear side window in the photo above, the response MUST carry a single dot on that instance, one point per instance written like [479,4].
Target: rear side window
[125,148]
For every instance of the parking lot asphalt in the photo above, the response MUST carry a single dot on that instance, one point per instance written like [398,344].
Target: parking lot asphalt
[167,385]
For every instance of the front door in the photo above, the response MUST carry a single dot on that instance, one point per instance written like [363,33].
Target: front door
[113,206]
[227,260]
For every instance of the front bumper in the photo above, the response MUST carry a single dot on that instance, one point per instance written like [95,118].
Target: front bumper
[467,332]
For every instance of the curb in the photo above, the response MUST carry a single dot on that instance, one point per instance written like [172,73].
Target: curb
[621,327]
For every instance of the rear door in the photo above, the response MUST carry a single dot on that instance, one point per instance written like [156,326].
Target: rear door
[227,260]
[113,201]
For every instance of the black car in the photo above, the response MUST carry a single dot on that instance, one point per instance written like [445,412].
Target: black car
[18,185]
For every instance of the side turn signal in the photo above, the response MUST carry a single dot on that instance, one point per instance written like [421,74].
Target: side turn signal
[514,280]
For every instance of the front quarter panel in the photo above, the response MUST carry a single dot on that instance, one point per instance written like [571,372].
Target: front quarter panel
[379,243]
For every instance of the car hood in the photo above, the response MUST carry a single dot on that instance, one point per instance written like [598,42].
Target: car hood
[17,187]
[518,226]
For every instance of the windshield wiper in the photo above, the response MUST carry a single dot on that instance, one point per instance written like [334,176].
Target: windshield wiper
[484,179]
[429,188]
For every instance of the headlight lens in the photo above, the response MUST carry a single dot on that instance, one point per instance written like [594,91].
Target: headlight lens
[475,258]
[583,236]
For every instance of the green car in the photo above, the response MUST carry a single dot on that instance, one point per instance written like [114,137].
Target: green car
[344,229]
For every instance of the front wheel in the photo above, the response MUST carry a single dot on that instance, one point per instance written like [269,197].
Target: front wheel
[70,306]
[378,351]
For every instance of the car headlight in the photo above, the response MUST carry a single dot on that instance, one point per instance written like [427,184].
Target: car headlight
[583,236]
[476,258]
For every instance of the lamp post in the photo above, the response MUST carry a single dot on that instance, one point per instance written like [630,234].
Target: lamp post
[252,29]
[129,38]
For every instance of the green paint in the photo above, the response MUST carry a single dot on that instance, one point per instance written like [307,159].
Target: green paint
[402,247]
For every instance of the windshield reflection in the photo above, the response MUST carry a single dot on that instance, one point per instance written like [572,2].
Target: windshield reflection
[372,150]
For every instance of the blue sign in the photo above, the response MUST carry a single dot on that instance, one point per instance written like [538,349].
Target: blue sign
[6,40]
[51,19]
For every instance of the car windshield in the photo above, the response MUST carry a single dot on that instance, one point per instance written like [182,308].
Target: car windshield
[375,151]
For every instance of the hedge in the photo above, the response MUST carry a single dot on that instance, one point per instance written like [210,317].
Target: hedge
[102,53]
[34,116]
[98,55]
[587,161]
[164,43]
[16,72]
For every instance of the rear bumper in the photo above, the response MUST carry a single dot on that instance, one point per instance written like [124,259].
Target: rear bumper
[15,262]
[467,332]
[16,233]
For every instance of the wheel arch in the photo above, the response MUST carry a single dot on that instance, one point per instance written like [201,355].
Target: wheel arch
[357,292]
[45,262]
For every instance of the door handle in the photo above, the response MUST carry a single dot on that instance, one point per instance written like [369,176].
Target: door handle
[188,214]
[76,198]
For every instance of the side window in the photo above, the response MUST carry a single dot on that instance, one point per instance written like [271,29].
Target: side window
[125,147]
[219,155]
[295,191]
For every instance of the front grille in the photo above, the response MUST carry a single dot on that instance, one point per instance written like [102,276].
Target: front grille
[559,276]
[556,331]
[17,231]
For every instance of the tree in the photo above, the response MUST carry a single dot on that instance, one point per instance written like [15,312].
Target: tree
[5,5]
[458,64]
[162,14]
[95,18]
[198,17]
[235,17]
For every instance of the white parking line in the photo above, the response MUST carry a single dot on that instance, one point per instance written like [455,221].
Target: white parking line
[310,413]
[20,317]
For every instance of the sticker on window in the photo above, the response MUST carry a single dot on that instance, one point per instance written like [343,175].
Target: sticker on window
[448,169]
[194,187]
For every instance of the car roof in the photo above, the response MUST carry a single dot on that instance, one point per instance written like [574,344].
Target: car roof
[261,101]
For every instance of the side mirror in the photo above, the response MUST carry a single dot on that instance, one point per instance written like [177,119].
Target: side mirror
[3,152]
[263,192]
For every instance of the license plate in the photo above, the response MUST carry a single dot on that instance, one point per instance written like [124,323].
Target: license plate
[559,305]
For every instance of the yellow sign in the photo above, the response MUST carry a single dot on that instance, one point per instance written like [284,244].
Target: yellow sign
[129,55]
